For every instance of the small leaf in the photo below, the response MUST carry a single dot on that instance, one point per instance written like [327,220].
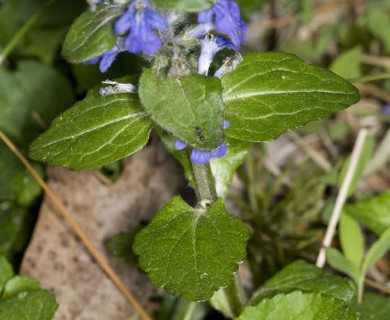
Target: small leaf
[6,272]
[373,212]
[377,250]
[352,239]
[299,306]
[374,307]
[19,284]
[347,64]
[94,132]
[29,305]
[13,228]
[18,185]
[336,259]
[378,22]
[185,5]
[271,93]
[224,168]
[305,277]
[91,34]
[120,246]
[190,107]
[32,91]
[191,252]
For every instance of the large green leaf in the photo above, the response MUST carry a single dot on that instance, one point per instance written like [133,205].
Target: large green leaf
[306,278]
[189,107]
[31,96]
[185,5]
[299,306]
[373,212]
[192,252]
[91,34]
[29,305]
[94,132]
[271,93]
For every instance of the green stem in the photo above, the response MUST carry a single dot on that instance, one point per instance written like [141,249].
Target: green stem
[360,288]
[230,300]
[204,185]
[22,31]
[190,311]
[375,77]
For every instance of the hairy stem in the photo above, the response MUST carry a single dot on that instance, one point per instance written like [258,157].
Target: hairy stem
[204,184]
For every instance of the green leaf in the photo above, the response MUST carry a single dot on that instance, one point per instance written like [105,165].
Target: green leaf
[271,93]
[374,307]
[190,107]
[29,305]
[352,239]
[336,259]
[18,185]
[377,250]
[373,212]
[347,64]
[19,284]
[13,228]
[378,22]
[190,251]
[185,5]
[6,272]
[299,306]
[94,132]
[120,245]
[91,35]
[307,278]
[31,96]
[224,168]
[44,38]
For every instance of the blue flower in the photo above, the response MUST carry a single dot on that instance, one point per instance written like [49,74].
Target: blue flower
[226,16]
[201,157]
[140,20]
[107,58]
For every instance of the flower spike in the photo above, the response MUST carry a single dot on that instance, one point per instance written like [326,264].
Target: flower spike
[140,19]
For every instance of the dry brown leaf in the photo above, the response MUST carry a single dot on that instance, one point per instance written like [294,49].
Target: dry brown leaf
[59,260]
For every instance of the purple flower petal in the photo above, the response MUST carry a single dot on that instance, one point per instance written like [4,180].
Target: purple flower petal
[205,16]
[225,124]
[155,20]
[140,19]
[219,152]
[124,23]
[226,16]
[108,58]
[200,157]
[180,144]
[93,60]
